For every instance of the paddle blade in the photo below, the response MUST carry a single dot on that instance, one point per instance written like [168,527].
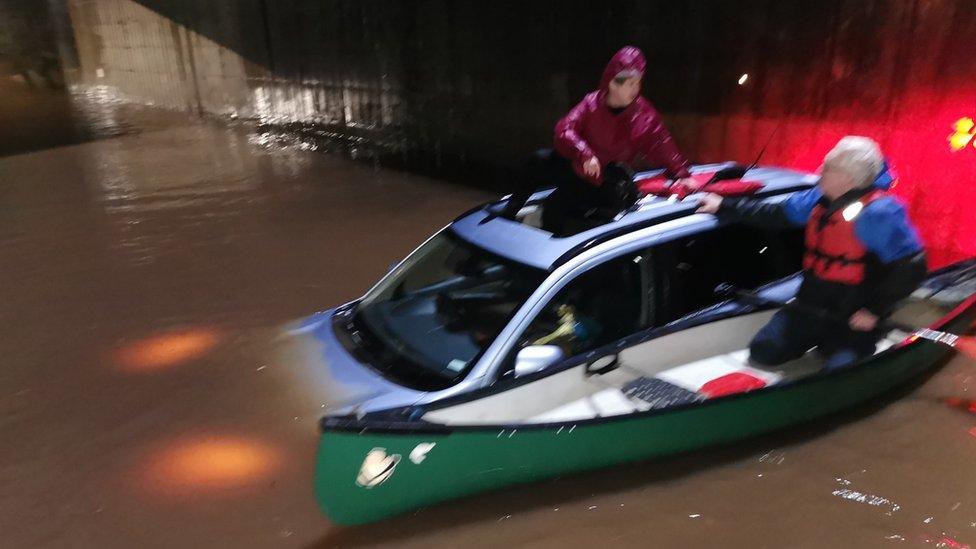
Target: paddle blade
[732,172]
[967,346]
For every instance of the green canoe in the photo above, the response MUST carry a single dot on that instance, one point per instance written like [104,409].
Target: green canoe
[574,419]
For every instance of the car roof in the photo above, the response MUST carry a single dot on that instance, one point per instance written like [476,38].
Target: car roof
[538,248]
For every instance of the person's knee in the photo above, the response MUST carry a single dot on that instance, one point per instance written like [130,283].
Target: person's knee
[787,336]
[772,347]
[768,352]
[766,347]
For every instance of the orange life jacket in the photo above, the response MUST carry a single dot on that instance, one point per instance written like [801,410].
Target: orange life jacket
[833,251]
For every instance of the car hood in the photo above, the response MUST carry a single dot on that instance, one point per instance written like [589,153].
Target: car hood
[343,383]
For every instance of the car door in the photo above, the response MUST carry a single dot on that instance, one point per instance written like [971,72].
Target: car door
[690,268]
[609,301]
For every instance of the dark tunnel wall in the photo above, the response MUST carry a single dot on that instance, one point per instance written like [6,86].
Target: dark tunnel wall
[28,44]
[473,79]
[463,87]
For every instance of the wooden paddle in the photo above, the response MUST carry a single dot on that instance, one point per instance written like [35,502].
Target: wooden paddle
[964,344]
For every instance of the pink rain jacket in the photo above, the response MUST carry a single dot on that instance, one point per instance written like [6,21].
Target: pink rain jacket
[634,137]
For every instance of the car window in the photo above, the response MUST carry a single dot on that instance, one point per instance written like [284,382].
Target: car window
[746,257]
[602,305]
[427,323]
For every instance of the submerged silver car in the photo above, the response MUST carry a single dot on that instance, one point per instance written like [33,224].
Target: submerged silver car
[490,301]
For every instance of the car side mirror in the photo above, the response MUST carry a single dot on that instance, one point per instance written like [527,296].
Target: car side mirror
[536,358]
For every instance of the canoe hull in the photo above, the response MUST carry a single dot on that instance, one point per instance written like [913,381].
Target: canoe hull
[425,467]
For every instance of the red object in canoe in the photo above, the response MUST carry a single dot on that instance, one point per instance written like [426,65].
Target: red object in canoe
[729,384]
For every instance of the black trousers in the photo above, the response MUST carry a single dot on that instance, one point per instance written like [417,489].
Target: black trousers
[791,333]
[575,200]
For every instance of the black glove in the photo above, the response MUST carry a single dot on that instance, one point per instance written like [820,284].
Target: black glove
[619,189]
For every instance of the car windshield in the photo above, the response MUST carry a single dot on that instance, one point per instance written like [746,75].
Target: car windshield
[434,316]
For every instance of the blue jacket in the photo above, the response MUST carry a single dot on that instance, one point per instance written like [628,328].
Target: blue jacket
[883,227]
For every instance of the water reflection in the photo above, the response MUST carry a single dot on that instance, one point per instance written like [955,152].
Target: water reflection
[168,349]
[201,464]
[850,494]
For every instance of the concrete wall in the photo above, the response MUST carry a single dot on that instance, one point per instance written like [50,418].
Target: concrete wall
[155,60]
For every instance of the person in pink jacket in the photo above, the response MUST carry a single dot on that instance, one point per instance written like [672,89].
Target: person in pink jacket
[597,144]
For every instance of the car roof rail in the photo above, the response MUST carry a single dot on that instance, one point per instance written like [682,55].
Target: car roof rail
[678,213]
[615,232]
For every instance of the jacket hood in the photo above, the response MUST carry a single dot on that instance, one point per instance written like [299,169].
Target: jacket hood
[628,58]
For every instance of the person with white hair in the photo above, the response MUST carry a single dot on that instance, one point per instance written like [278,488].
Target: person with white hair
[862,256]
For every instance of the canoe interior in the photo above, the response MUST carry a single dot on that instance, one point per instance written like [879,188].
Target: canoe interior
[684,367]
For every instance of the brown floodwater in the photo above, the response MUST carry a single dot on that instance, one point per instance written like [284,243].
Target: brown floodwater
[144,274]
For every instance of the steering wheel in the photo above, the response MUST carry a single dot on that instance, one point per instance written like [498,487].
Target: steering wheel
[447,309]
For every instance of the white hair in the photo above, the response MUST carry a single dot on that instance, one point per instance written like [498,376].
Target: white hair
[859,157]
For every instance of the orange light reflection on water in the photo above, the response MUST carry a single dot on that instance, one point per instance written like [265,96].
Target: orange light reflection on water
[211,463]
[167,349]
